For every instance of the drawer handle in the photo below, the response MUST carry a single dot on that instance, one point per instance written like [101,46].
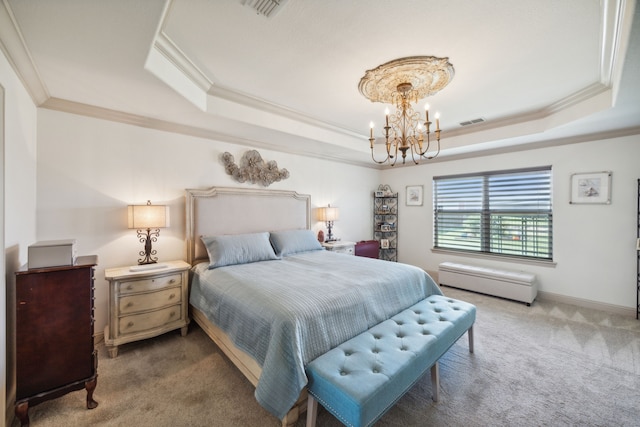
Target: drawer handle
[129,325]
[172,296]
[172,281]
[129,304]
[172,314]
[129,287]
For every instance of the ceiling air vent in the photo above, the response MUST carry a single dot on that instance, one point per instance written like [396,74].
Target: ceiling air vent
[472,122]
[266,8]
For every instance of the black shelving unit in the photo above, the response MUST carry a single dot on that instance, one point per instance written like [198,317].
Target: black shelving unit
[385,222]
[638,259]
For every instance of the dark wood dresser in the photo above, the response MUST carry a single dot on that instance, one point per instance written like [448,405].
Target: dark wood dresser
[55,353]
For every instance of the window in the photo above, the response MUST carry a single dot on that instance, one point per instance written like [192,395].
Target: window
[503,213]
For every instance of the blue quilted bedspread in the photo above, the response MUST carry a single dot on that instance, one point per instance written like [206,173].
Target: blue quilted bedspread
[285,313]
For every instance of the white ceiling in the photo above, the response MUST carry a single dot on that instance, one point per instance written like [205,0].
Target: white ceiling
[538,72]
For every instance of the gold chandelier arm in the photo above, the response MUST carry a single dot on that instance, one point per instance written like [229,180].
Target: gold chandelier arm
[379,162]
[372,141]
[437,152]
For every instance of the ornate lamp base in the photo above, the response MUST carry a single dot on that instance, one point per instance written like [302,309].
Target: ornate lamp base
[147,238]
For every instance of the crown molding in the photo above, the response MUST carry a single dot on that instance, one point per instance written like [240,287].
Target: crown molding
[533,145]
[176,56]
[66,106]
[218,91]
[617,19]
[15,49]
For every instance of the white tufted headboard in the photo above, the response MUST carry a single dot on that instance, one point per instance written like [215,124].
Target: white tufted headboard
[224,210]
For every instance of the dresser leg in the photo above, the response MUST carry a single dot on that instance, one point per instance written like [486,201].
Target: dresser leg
[184,330]
[22,412]
[113,351]
[91,386]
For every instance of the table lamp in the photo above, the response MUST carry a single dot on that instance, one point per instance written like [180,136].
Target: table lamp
[144,218]
[328,215]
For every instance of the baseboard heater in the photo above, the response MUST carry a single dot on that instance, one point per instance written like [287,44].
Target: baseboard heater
[514,285]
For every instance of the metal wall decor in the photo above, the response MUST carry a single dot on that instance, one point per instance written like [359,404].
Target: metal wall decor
[253,169]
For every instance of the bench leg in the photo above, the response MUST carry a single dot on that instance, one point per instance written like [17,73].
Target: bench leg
[435,382]
[470,333]
[312,411]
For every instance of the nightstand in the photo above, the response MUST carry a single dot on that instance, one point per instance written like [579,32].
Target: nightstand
[340,247]
[146,301]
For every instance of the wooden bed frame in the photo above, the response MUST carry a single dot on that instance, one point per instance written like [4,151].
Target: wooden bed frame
[224,210]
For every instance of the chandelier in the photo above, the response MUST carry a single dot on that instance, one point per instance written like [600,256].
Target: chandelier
[402,82]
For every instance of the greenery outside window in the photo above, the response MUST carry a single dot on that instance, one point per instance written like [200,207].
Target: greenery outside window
[502,213]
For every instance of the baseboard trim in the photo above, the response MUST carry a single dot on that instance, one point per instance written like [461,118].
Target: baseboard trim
[580,302]
[98,338]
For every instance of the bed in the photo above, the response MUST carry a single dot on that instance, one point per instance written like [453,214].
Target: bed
[272,299]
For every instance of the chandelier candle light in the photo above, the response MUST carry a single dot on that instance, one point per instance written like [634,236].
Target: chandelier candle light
[402,82]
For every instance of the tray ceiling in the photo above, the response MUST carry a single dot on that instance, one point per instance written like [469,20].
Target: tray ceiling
[536,72]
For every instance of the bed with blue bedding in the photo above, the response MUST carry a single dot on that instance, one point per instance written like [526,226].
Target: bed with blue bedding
[275,300]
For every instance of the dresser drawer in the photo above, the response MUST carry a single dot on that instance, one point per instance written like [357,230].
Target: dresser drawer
[133,303]
[142,285]
[150,320]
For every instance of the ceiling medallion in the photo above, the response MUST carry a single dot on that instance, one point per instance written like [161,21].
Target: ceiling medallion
[402,82]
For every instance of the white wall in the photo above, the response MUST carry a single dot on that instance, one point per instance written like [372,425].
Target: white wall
[594,245]
[89,170]
[19,211]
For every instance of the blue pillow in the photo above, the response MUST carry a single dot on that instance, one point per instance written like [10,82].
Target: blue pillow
[238,249]
[293,241]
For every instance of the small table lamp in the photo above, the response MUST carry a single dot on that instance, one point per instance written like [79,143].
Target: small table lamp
[328,215]
[148,216]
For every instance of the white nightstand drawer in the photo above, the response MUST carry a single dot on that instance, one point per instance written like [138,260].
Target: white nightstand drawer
[146,302]
[348,250]
[133,303]
[144,285]
[150,320]
[341,247]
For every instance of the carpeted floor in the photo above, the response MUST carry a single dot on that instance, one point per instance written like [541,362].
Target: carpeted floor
[549,364]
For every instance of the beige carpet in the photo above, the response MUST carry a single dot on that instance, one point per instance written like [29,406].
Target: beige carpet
[545,365]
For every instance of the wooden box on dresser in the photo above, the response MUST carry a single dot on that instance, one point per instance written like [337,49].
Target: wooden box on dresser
[55,353]
[146,303]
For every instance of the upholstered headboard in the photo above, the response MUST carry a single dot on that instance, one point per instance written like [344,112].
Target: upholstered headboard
[223,210]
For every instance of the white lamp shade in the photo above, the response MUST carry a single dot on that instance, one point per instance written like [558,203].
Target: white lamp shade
[328,214]
[148,216]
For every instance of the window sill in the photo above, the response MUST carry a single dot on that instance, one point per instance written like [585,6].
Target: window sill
[504,258]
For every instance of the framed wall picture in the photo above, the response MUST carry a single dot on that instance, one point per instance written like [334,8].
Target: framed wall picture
[379,193]
[593,187]
[414,195]
[638,244]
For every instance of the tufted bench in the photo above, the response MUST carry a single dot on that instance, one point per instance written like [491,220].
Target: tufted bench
[359,380]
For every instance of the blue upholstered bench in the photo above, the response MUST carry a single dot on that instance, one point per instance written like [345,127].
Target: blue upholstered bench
[359,380]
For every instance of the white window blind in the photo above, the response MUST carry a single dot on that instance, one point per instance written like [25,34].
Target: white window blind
[505,212]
